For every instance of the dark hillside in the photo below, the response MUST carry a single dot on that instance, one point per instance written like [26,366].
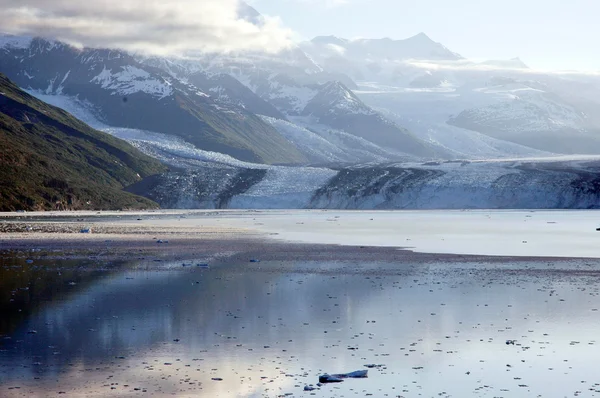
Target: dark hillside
[51,160]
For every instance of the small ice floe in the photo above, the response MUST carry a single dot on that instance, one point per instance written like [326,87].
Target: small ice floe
[329,379]
[372,366]
[338,378]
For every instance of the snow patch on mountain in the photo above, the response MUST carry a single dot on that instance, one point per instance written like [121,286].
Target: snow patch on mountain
[130,80]
[292,99]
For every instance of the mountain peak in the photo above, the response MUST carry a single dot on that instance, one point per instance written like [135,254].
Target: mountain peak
[422,37]
[337,89]
[334,98]
[249,13]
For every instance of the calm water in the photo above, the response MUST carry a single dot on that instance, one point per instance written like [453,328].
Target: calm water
[269,329]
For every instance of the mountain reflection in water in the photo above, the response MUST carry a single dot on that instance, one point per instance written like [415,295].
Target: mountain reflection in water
[87,328]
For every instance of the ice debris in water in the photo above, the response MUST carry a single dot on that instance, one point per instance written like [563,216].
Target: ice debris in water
[338,378]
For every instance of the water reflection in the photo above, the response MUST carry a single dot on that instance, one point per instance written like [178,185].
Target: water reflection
[439,329]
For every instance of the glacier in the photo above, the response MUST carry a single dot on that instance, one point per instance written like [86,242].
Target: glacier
[205,180]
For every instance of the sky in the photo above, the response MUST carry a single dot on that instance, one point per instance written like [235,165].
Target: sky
[159,27]
[545,34]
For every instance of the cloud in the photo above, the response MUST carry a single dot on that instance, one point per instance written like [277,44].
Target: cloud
[470,66]
[336,49]
[160,27]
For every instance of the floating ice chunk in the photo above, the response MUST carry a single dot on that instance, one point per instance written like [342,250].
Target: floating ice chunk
[338,378]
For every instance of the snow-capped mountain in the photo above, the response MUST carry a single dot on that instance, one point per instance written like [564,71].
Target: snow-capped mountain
[222,87]
[320,107]
[382,60]
[377,99]
[419,46]
[226,89]
[328,114]
[212,180]
[127,93]
[493,112]
[337,106]
[214,112]
[531,114]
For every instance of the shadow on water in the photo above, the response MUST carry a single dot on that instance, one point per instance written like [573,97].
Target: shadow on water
[28,286]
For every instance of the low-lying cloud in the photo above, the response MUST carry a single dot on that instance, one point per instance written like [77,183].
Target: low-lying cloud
[470,66]
[160,27]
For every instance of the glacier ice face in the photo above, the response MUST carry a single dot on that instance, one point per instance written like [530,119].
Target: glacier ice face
[284,188]
[465,185]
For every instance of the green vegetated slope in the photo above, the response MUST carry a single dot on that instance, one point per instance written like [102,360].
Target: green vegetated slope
[51,160]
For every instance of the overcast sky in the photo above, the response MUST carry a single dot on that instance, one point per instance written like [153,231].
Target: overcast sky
[546,34]
[161,27]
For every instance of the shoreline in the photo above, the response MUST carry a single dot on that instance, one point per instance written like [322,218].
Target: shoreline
[284,235]
[235,247]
